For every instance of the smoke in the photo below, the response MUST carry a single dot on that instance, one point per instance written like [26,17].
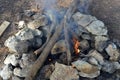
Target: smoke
[46,4]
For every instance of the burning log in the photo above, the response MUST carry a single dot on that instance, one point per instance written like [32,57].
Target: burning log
[39,62]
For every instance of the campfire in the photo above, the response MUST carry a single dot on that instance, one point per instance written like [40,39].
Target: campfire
[76,46]
[63,44]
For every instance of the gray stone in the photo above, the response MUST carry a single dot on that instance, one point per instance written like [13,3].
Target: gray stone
[100,43]
[63,72]
[41,21]
[27,60]
[24,40]
[45,72]
[11,42]
[113,52]
[86,69]
[97,56]
[110,67]
[97,28]
[11,59]
[25,34]
[84,45]
[21,72]
[59,47]
[83,19]
[6,73]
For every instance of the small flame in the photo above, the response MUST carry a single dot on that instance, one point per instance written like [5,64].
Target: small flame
[76,46]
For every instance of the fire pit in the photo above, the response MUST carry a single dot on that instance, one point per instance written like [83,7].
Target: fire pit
[61,42]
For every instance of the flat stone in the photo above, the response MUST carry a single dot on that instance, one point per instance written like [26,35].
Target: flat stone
[86,70]
[41,21]
[4,26]
[83,19]
[113,52]
[97,28]
[63,72]
[6,73]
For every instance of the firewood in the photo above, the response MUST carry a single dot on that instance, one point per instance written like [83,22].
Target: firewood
[67,42]
[39,62]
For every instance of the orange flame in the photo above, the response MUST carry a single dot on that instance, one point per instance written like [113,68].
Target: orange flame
[76,46]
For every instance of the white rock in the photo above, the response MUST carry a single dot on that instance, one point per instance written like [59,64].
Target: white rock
[97,28]
[21,72]
[21,24]
[86,69]
[6,73]
[97,56]
[11,59]
[113,52]
[63,72]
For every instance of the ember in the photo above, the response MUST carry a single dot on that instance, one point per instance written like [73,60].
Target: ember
[76,46]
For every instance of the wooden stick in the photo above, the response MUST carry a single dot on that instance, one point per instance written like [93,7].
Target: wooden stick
[67,42]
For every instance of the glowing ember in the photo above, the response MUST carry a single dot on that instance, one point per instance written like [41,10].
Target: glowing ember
[76,46]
